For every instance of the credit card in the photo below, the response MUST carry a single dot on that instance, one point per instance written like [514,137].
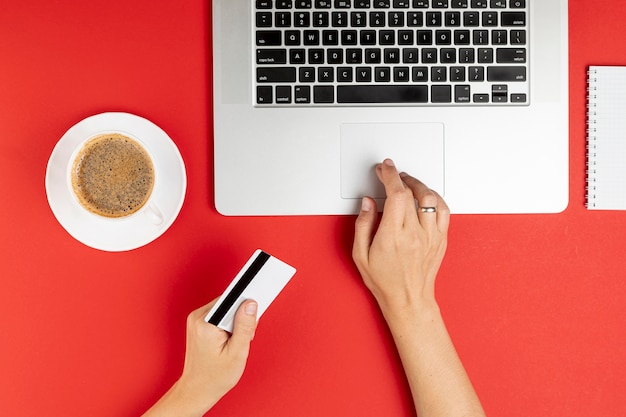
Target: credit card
[261,279]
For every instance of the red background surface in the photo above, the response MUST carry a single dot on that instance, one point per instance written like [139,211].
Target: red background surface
[534,303]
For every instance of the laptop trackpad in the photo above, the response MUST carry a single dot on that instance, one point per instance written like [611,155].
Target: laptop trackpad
[416,148]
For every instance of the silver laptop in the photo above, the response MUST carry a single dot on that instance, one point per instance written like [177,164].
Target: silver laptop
[471,96]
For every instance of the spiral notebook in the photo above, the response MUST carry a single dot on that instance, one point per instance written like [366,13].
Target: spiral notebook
[606,138]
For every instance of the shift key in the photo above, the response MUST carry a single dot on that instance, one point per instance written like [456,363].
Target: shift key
[509,73]
[276,74]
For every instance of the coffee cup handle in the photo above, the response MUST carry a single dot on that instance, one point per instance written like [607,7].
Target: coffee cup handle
[154,214]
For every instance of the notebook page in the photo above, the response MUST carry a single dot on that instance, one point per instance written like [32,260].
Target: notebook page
[606,139]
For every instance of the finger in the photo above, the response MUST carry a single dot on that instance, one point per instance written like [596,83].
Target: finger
[399,197]
[427,198]
[201,312]
[364,229]
[244,327]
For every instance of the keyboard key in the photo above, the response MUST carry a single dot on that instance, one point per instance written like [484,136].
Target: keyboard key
[434,19]
[377,19]
[283,94]
[349,37]
[401,74]
[264,94]
[302,94]
[511,55]
[518,37]
[276,74]
[415,19]
[457,74]
[517,4]
[424,37]
[263,4]
[410,56]
[358,19]
[268,38]
[302,19]
[343,4]
[334,56]
[518,98]
[476,74]
[471,19]
[304,4]
[293,37]
[344,74]
[513,19]
[481,98]
[453,19]
[498,4]
[264,19]
[421,4]
[382,74]
[490,19]
[392,56]
[438,74]
[499,93]
[362,4]
[504,74]
[441,94]
[307,74]
[401,4]
[325,74]
[311,37]
[420,74]
[340,19]
[321,19]
[323,94]
[323,4]
[297,56]
[354,56]
[284,4]
[271,56]
[462,94]
[382,94]
[479,4]
[382,4]
[363,74]
[316,56]
[283,19]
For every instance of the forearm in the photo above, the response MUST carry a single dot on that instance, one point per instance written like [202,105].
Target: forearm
[439,384]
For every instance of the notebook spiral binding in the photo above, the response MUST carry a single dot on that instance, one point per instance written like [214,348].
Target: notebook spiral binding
[590,188]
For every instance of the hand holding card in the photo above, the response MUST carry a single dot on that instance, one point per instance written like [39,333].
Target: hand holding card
[261,279]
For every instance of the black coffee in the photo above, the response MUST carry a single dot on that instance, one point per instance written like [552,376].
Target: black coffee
[113,175]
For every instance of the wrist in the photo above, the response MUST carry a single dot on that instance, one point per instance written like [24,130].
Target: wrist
[409,309]
[193,401]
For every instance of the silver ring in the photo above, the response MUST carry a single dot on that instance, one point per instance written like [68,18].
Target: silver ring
[428,209]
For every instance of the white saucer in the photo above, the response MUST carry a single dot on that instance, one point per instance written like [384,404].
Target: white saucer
[124,233]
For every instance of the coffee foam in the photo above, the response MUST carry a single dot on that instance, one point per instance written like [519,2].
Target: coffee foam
[112,175]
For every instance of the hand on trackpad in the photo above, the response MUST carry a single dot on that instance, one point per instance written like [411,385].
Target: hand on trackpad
[416,148]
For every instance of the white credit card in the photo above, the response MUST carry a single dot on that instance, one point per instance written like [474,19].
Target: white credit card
[261,279]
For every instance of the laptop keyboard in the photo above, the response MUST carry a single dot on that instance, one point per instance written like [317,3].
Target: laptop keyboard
[391,52]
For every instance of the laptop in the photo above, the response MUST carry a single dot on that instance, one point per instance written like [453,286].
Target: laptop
[470,96]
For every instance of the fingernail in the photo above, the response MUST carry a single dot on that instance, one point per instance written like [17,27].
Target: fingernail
[389,163]
[403,175]
[251,309]
[366,205]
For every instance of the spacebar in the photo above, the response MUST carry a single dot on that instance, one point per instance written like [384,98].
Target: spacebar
[382,94]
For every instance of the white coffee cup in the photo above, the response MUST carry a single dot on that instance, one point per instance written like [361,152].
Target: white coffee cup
[125,232]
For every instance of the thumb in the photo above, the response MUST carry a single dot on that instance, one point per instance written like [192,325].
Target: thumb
[244,325]
[364,231]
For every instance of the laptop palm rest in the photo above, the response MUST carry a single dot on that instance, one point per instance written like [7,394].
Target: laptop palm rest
[416,148]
